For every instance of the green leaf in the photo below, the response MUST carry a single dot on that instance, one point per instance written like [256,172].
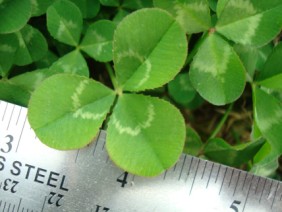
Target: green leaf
[193,142]
[274,82]
[147,138]
[137,4]
[217,72]
[69,117]
[47,60]
[181,90]
[220,151]
[14,15]
[88,8]
[8,47]
[249,56]
[64,22]
[13,93]
[220,6]
[98,40]
[120,15]
[213,5]
[273,64]
[140,60]
[73,63]
[39,7]
[32,46]
[30,80]
[271,75]
[111,3]
[263,53]
[250,22]
[268,116]
[265,161]
[193,15]
[196,102]
[18,89]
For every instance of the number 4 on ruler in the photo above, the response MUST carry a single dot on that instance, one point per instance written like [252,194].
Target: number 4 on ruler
[123,179]
[98,207]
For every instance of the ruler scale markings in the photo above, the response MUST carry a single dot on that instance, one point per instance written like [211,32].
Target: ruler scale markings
[232,173]
[21,133]
[270,189]
[95,146]
[218,171]
[19,205]
[4,112]
[223,180]
[4,206]
[174,167]
[189,169]
[262,190]
[77,153]
[245,178]
[164,175]
[272,203]
[11,117]
[204,170]
[210,175]
[103,146]
[19,116]
[197,168]
[43,205]
[246,200]
[257,185]
[182,168]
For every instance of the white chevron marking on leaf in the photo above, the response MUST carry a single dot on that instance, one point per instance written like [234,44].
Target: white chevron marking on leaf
[7,48]
[134,131]
[97,36]
[272,120]
[131,54]
[35,6]
[148,65]
[39,78]
[253,24]
[21,40]
[88,115]
[244,5]
[62,26]
[29,35]
[78,91]
[216,67]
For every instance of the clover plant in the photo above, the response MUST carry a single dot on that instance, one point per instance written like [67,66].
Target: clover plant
[125,66]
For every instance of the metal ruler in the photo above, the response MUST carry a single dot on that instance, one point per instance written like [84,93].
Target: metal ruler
[35,178]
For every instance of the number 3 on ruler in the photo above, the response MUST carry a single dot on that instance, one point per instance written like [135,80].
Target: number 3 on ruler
[233,205]
[8,147]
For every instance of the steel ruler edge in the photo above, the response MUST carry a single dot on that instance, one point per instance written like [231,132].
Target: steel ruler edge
[35,178]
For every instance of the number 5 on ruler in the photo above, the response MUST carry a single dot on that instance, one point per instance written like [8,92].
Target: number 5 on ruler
[233,205]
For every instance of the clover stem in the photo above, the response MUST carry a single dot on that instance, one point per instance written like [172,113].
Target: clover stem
[113,78]
[217,129]
[196,48]
[222,121]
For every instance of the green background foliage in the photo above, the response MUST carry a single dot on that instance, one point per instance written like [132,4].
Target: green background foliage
[125,66]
